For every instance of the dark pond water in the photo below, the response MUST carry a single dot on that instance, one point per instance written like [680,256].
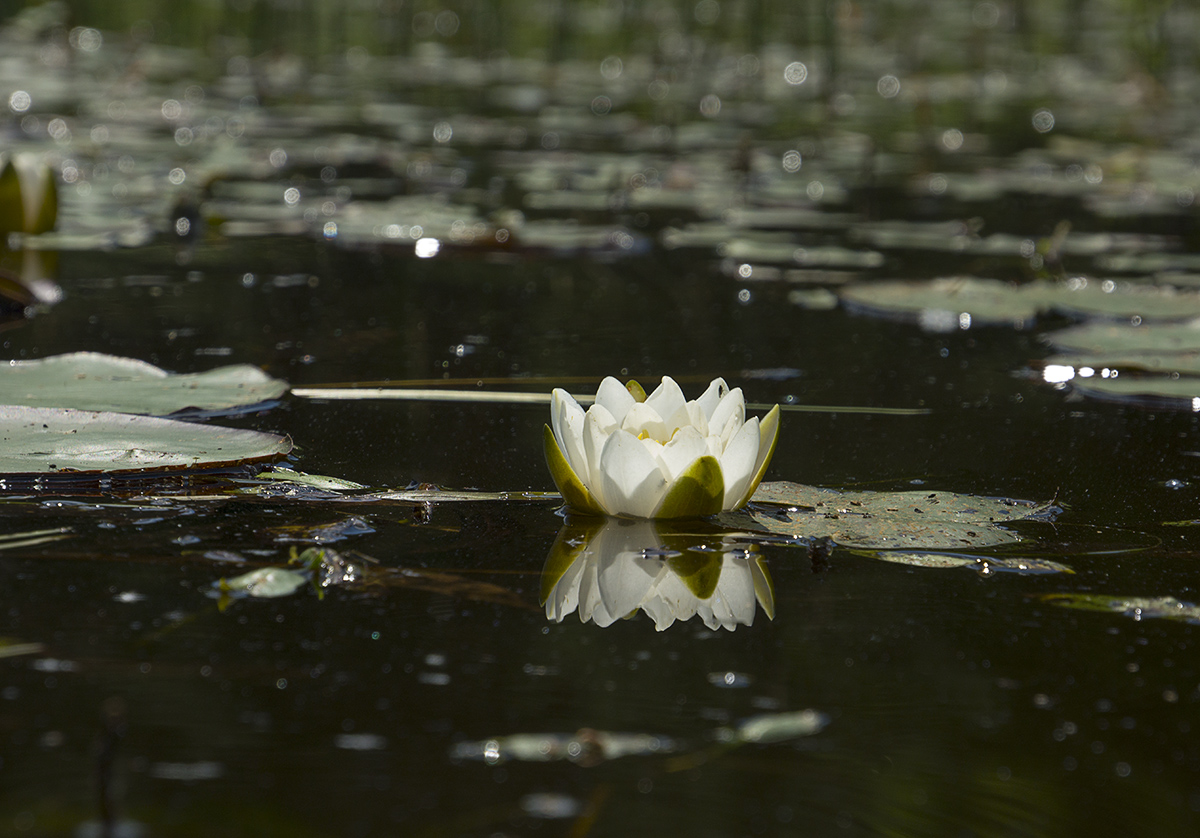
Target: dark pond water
[639,190]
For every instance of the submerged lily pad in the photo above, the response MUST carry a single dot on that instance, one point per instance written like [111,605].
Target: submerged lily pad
[55,441]
[94,381]
[883,520]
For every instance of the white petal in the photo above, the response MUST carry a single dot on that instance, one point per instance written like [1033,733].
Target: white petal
[567,418]
[738,462]
[697,418]
[614,397]
[626,578]
[660,612]
[736,589]
[565,597]
[712,396]
[643,418]
[677,597]
[589,591]
[685,448]
[667,400]
[632,482]
[731,405]
[598,426]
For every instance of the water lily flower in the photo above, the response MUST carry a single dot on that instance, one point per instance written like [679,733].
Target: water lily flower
[609,572]
[659,456]
[28,196]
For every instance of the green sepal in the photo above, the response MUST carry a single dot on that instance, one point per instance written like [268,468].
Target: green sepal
[47,213]
[572,540]
[697,492]
[764,586]
[768,435]
[699,572]
[12,208]
[569,485]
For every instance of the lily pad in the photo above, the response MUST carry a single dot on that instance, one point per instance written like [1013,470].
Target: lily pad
[1137,608]
[94,381]
[986,565]
[883,520]
[947,303]
[939,304]
[261,583]
[36,441]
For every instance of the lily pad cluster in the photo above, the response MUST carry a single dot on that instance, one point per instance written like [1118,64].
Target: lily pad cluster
[87,414]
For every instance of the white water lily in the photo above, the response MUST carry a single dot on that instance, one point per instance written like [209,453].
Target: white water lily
[610,572]
[661,457]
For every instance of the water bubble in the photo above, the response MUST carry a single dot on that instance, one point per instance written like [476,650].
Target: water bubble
[177,176]
[85,39]
[19,101]
[427,248]
[952,139]
[291,196]
[795,73]
[171,110]
[278,158]
[611,67]
[792,161]
[707,12]
[1043,120]
[446,23]
[888,86]
[442,132]
[815,190]
[183,136]
[601,105]
[710,105]
[330,230]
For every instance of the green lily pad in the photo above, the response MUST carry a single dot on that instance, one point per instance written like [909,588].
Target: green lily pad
[986,565]
[1137,608]
[54,441]
[1153,338]
[925,520]
[262,583]
[93,381]
[948,303]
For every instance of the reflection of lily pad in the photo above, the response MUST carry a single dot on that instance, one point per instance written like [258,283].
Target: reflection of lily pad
[882,520]
[1138,608]
[93,381]
[48,441]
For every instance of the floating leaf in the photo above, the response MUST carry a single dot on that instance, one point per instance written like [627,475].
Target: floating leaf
[1137,608]
[53,441]
[586,747]
[32,538]
[262,583]
[882,520]
[949,303]
[316,481]
[779,727]
[93,381]
[939,304]
[986,565]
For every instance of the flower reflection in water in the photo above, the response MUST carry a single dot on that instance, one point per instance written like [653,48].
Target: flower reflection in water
[608,570]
